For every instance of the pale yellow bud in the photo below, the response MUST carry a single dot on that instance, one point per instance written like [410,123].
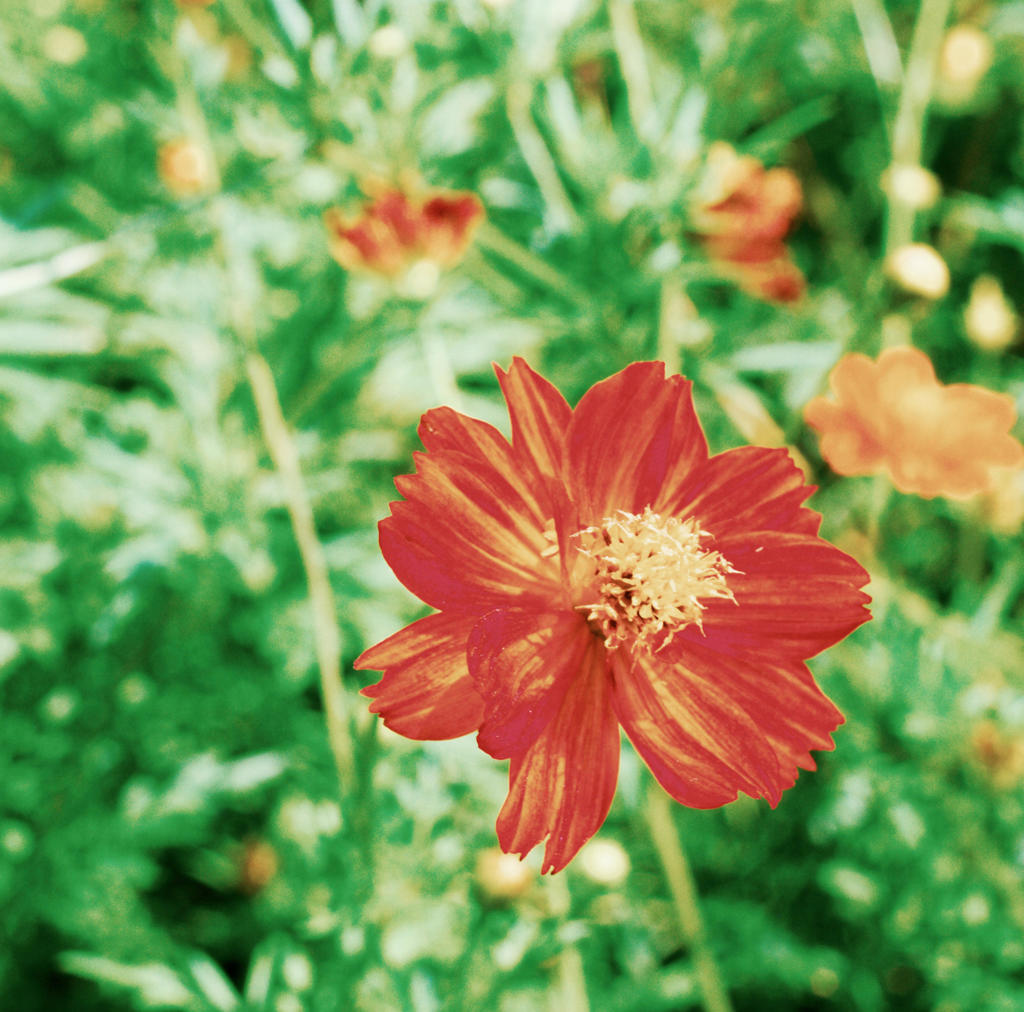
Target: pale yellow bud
[604,862]
[502,876]
[912,185]
[1002,506]
[388,42]
[966,56]
[64,44]
[989,319]
[918,268]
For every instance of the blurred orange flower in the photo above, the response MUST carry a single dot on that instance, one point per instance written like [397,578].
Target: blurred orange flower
[185,167]
[894,415]
[743,216]
[394,230]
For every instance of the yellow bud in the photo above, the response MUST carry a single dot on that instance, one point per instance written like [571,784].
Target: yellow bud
[502,876]
[604,862]
[912,185]
[64,44]
[918,268]
[966,56]
[989,319]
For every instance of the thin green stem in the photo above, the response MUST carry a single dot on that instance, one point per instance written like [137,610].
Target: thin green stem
[911,113]
[684,896]
[495,241]
[439,366]
[570,991]
[537,157]
[326,640]
[633,62]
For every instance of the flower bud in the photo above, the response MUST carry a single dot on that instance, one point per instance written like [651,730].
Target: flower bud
[912,185]
[502,876]
[604,862]
[965,58]
[918,268]
[185,168]
[989,319]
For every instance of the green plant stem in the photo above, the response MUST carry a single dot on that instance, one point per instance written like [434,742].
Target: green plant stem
[911,112]
[684,896]
[630,49]
[537,157]
[495,241]
[326,640]
[570,992]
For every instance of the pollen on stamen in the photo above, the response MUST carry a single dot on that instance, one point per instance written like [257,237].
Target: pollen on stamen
[650,576]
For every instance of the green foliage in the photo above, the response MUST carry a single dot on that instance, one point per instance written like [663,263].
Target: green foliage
[171,833]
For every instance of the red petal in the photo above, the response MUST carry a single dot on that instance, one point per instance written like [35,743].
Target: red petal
[466,539]
[562,787]
[620,439]
[426,692]
[689,448]
[749,488]
[522,665]
[446,429]
[795,595]
[699,742]
[540,417]
[784,701]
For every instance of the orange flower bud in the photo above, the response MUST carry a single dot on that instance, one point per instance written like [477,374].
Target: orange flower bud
[185,168]
[394,230]
[743,213]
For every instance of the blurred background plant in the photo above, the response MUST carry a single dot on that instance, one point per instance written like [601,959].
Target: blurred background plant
[187,379]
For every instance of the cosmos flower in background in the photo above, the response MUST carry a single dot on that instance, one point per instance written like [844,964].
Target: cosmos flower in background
[895,416]
[603,571]
[394,230]
[743,213]
[186,168]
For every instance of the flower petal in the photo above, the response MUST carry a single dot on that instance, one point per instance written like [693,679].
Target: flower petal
[782,697]
[540,417]
[797,593]
[561,788]
[749,488]
[688,450]
[620,439]
[522,665]
[426,692]
[443,429]
[700,744]
[466,539]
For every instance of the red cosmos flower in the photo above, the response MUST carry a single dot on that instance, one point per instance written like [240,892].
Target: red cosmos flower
[394,230]
[743,215]
[603,570]
[894,415]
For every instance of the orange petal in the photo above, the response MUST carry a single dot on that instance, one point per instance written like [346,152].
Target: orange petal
[561,788]
[619,441]
[465,539]
[749,488]
[522,664]
[426,692]
[540,417]
[781,695]
[797,593]
[699,743]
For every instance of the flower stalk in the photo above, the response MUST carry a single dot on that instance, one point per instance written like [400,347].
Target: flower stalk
[911,112]
[684,897]
[326,640]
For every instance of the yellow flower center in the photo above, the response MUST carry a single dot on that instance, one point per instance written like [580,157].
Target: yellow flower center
[651,573]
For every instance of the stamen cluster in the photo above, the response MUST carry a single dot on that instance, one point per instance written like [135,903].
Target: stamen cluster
[651,573]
